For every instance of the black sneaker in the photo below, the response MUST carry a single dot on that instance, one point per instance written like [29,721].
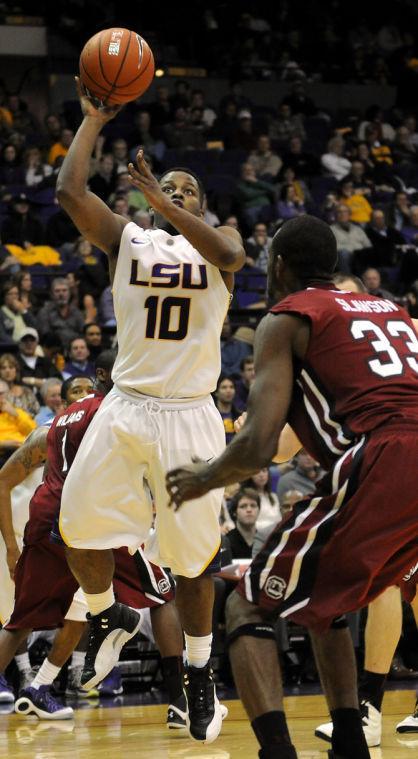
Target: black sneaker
[109,631]
[204,714]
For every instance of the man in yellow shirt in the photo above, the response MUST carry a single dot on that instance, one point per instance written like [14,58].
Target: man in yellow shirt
[15,425]
[361,210]
[61,147]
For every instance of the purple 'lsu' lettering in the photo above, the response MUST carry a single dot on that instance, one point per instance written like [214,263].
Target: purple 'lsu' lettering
[171,275]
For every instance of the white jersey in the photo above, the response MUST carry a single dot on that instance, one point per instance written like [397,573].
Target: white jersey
[170,304]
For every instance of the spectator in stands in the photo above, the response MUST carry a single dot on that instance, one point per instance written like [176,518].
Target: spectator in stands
[16,317]
[60,232]
[257,247]
[334,162]
[403,148]
[78,364]
[244,509]
[144,136]
[329,208]
[269,514]
[57,315]
[23,281]
[181,95]
[384,240]
[23,120]
[225,125]
[361,210]
[11,169]
[373,282]
[234,95]
[289,204]
[106,309]
[93,336]
[85,303]
[160,108]
[210,216]
[303,163]
[34,368]
[243,385]
[53,128]
[351,239]
[399,211]
[302,477]
[144,219]
[15,424]
[198,101]
[182,134]
[288,500]
[299,102]
[9,265]
[410,230]
[53,353]
[103,182]
[231,221]
[61,147]
[51,400]
[234,349]
[360,178]
[90,271]
[253,194]
[21,227]
[374,116]
[19,395]
[224,402]
[380,150]
[120,154]
[285,125]
[35,168]
[288,176]
[266,163]
[243,137]
[410,123]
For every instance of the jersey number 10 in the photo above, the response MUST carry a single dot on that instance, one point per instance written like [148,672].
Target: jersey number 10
[171,313]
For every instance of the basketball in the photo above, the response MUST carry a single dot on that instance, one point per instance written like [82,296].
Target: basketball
[116,66]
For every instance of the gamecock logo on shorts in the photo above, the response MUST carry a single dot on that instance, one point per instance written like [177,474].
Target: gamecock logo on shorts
[163,586]
[275,587]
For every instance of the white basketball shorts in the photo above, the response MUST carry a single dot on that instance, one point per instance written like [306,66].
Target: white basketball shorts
[128,448]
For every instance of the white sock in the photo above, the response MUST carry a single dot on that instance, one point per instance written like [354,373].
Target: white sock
[46,674]
[98,602]
[198,649]
[77,659]
[23,662]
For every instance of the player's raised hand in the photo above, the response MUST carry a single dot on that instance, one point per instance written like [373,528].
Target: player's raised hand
[142,177]
[91,107]
[186,483]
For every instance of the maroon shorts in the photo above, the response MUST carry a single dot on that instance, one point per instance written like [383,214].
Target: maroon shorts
[45,586]
[354,537]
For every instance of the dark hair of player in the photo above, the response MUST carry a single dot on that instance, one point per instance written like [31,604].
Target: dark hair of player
[67,384]
[191,174]
[307,245]
[105,360]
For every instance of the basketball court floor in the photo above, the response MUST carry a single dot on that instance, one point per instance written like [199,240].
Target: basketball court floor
[105,730]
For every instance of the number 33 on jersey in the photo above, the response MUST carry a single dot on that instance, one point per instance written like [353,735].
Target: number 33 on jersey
[164,291]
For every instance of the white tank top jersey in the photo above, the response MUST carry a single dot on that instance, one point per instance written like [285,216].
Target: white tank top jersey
[170,304]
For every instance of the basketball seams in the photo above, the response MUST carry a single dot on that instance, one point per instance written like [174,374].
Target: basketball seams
[115,85]
[141,72]
[102,36]
[96,84]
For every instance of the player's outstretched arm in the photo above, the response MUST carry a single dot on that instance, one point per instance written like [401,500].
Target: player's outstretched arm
[92,217]
[268,404]
[25,460]
[222,247]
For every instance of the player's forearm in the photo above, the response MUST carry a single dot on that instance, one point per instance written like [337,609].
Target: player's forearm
[74,173]
[243,457]
[227,253]
[6,521]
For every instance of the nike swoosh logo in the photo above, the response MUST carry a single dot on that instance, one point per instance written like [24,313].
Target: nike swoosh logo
[138,242]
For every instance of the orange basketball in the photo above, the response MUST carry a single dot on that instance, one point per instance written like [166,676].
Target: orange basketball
[116,66]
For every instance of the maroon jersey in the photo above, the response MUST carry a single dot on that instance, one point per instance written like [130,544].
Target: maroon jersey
[64,438]
[360,370]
